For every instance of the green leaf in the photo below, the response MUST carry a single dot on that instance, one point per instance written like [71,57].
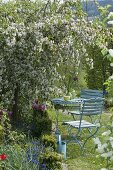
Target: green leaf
[109,57]
[104,51]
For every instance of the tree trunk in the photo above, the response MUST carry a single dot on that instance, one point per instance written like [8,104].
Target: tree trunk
[15,105]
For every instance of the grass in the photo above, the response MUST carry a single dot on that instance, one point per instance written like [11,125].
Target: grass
[75,160]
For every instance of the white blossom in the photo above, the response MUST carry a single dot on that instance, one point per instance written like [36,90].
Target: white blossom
[110,22]
[97,141]
[110,15]
[107,133]
[111,64]
[101,148]
[111,143]
[108,154]
[111,138]
[111,52]
[111,77]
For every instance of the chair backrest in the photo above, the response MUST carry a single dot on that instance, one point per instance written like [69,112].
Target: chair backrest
[92,106]
[89,93]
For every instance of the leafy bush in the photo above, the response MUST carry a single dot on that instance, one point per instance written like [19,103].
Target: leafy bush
[7,135]
[5,123]
[41,125]
[41,121]
[49,141]
[51,160]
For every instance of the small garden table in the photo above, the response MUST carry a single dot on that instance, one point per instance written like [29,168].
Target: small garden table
[60,103]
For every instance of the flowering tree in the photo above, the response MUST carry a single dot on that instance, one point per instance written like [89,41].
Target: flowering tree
[36,37]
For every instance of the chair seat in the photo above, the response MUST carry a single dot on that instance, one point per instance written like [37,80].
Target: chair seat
[74,112]
[84,124]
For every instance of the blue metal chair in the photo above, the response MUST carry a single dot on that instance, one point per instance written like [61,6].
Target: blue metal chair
[89,108]
[89,93]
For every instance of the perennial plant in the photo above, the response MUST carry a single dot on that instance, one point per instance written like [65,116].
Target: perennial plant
[104,146]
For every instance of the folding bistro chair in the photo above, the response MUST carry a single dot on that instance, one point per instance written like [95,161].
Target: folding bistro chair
[87,94]
[89,108]
[90,93]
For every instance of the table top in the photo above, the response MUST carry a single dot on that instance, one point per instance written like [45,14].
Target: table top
[61,101]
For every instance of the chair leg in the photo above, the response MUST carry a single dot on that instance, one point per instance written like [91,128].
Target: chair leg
[74,138]
[78,134]
[90,132]
[92,135]
[73,116]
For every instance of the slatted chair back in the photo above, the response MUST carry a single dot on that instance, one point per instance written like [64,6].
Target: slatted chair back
[93,106]
[89,93]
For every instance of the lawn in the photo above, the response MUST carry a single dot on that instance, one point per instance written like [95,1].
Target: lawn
[75,160]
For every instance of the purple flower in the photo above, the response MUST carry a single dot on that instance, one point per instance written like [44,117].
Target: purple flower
[42,107]
[43,166]
[9,113]
[35,106]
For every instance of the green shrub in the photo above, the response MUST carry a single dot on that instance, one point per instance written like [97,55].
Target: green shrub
[6,133]
[42,124]
[5,123]
[17,138]
[49,141]
[51,160]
